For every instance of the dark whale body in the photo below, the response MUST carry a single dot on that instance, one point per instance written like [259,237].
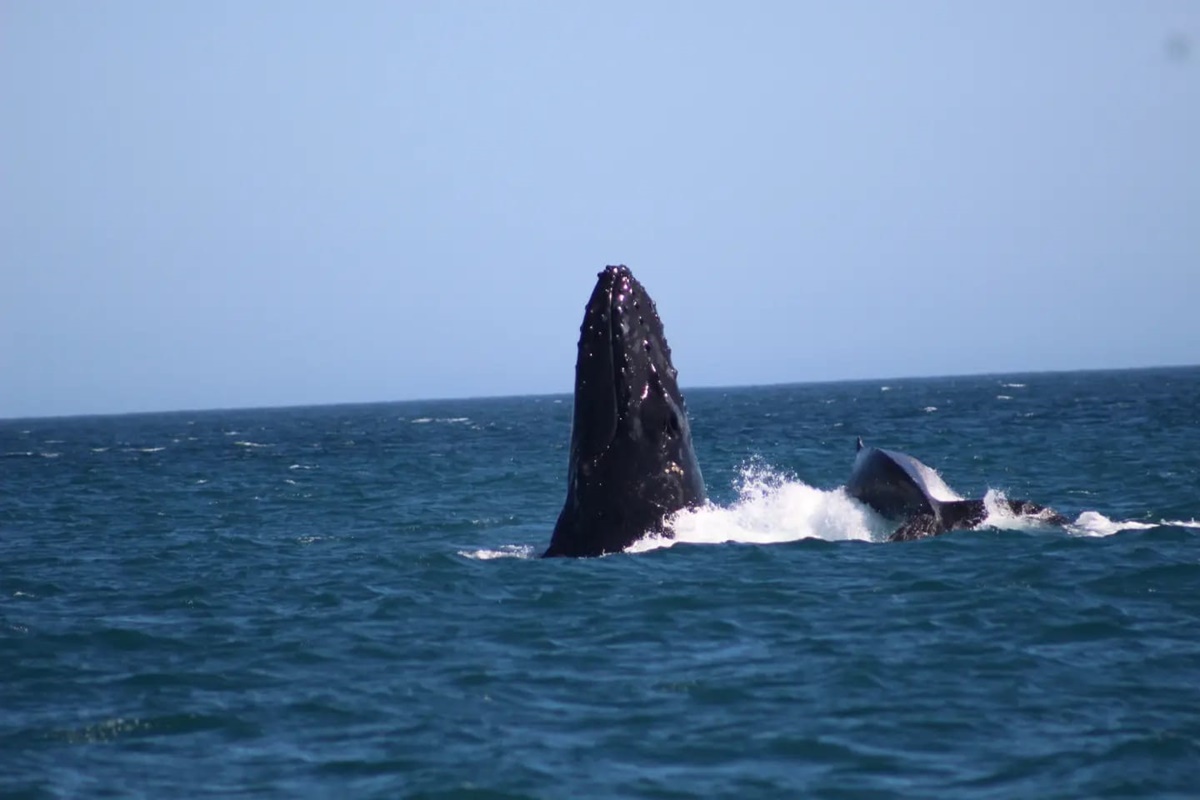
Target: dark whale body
[632,463]
[899,486]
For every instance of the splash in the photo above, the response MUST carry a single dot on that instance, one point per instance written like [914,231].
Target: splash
[1001,516]
[772,508]
[1088,523]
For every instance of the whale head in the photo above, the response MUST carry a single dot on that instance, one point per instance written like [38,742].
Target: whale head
[632,463]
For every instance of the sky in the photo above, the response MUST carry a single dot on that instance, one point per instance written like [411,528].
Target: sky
[224,204]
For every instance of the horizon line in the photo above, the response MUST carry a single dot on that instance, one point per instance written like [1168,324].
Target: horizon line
[518,395]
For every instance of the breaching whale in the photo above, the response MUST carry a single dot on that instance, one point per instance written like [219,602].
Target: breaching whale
[632,462]
[899,486]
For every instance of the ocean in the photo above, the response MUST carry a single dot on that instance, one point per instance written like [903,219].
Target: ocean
[346,601]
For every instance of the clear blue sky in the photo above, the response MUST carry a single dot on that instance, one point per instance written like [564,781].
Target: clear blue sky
[222,204]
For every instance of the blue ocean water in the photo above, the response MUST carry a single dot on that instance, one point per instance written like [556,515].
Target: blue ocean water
[346,602]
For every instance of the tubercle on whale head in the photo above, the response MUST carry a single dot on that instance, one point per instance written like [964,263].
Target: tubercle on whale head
[624,361]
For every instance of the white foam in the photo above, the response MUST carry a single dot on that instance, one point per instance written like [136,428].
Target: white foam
[1004,397]
[1013,385]
[929,409]
[1089,523]
[1093,523]
[507,551]
[771,509]
[252,444]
